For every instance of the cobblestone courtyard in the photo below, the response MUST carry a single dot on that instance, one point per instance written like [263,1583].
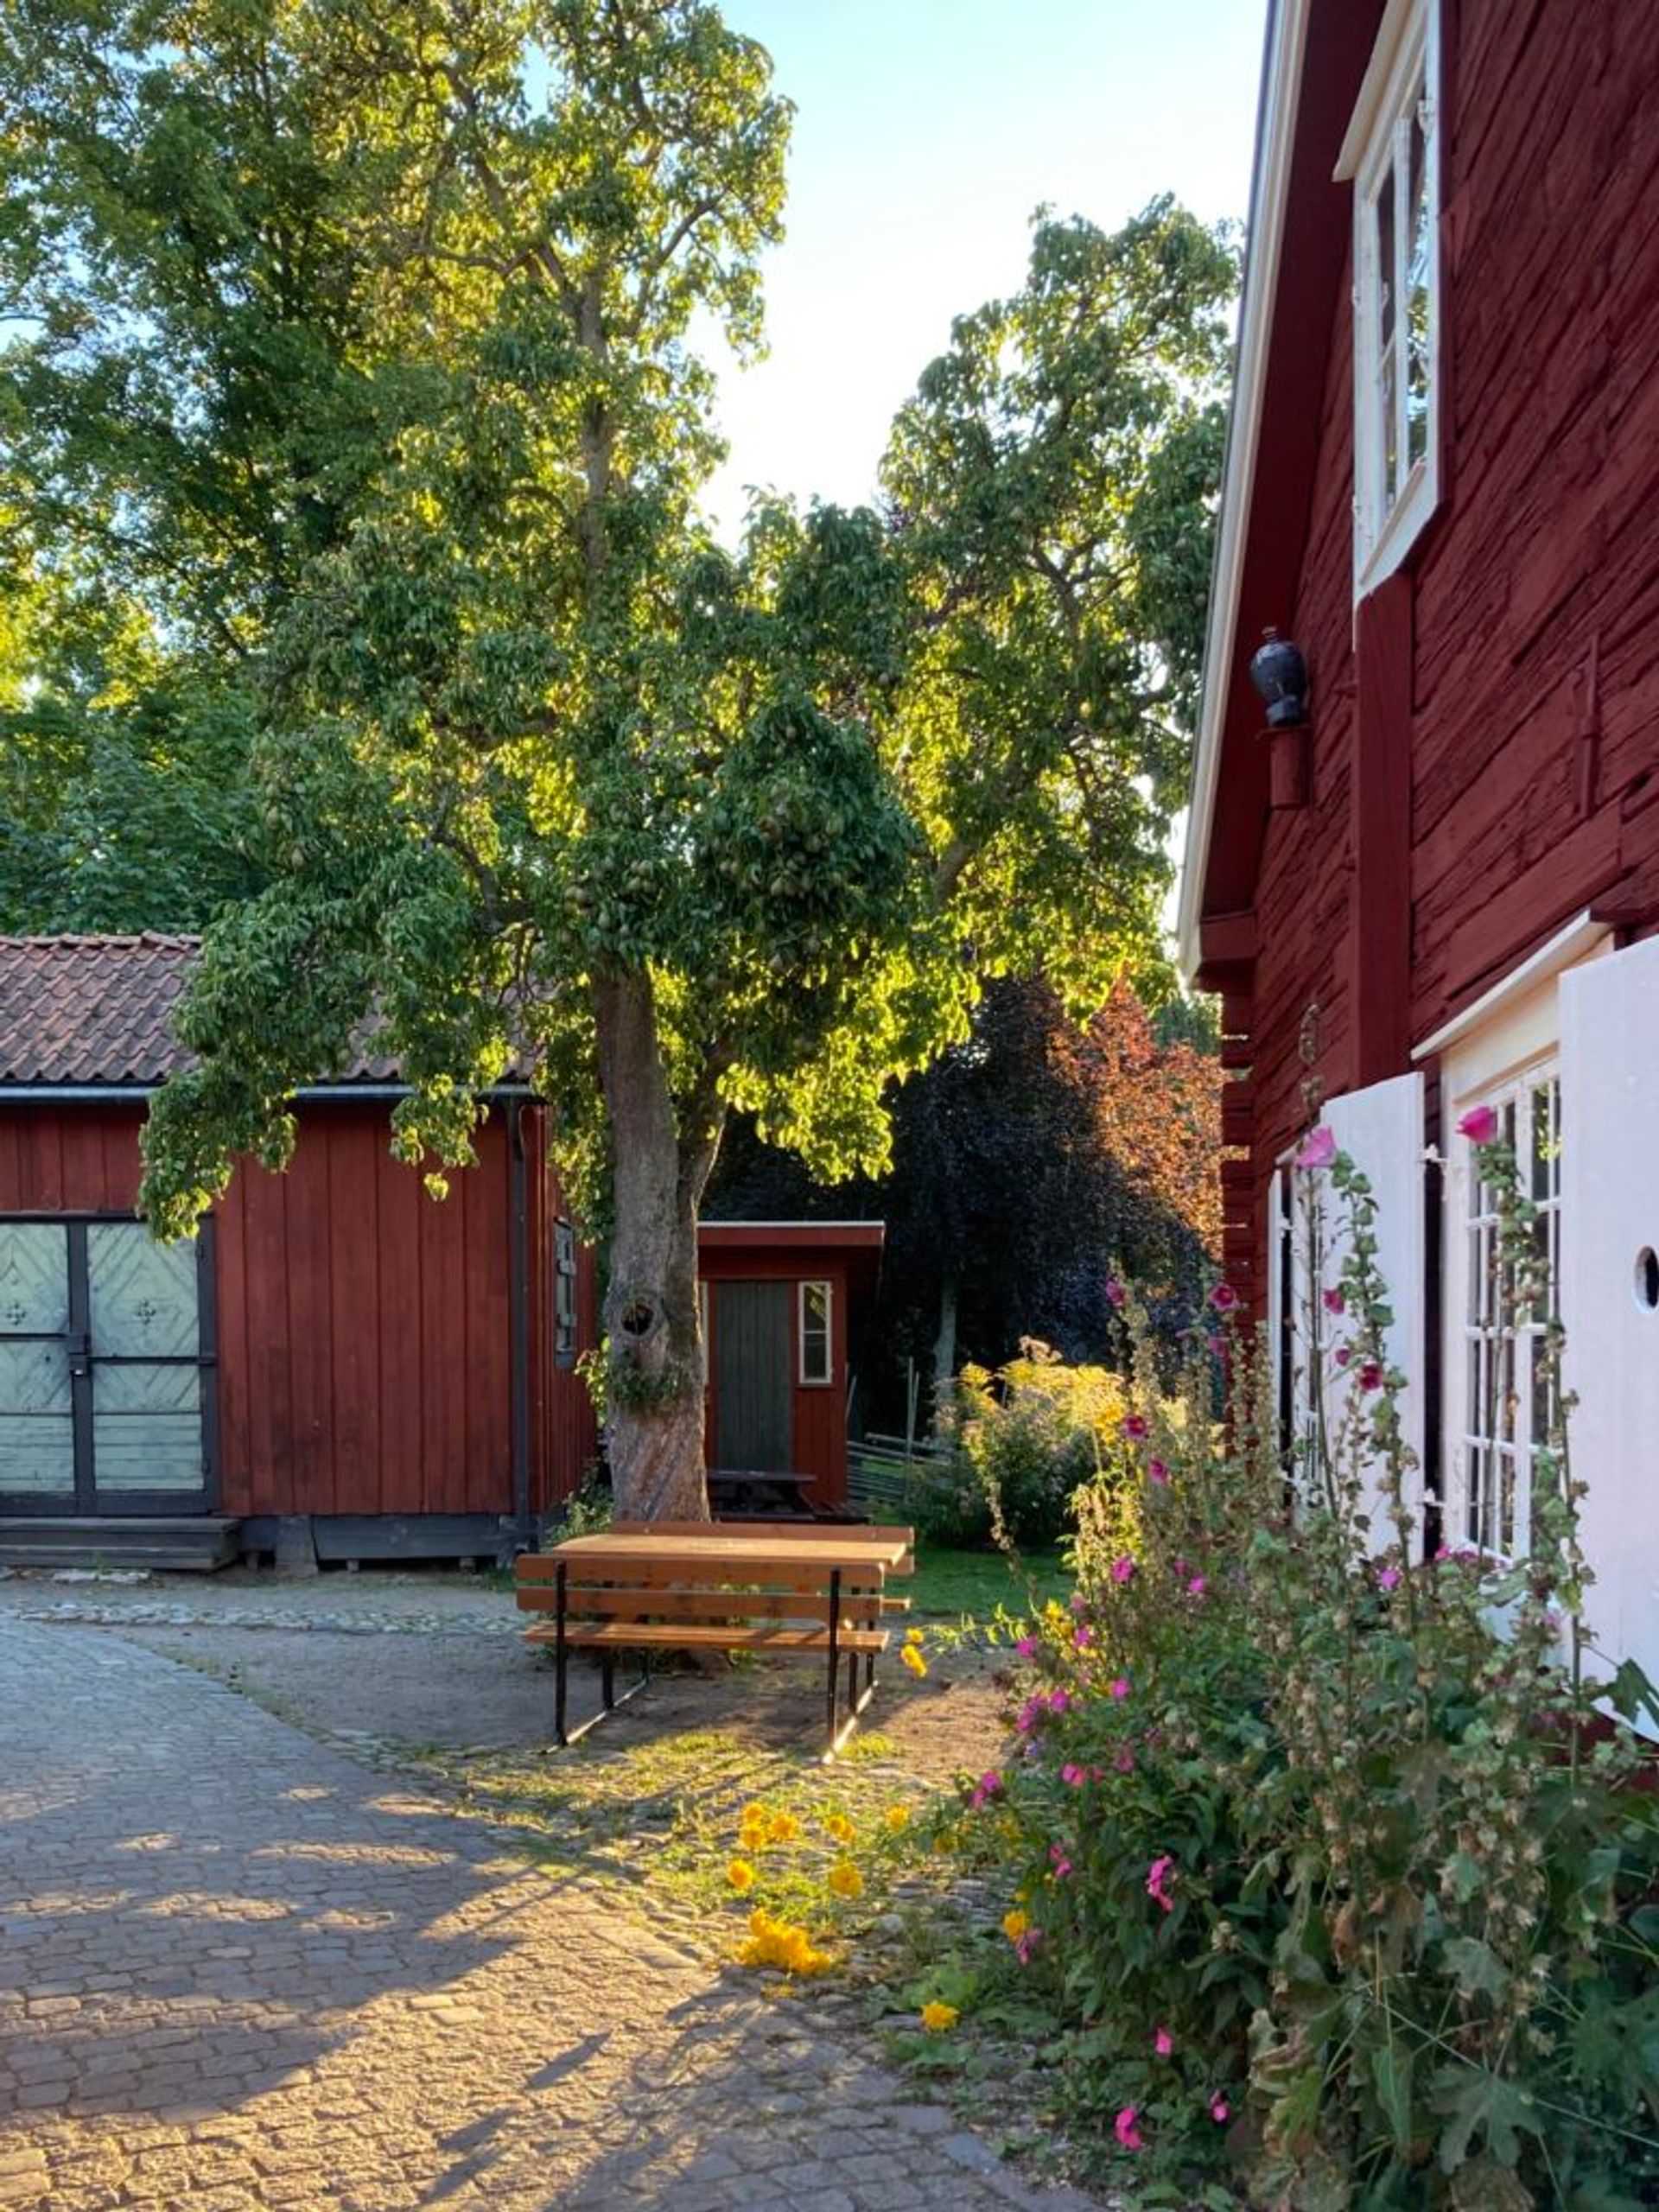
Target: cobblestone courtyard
[239,1970]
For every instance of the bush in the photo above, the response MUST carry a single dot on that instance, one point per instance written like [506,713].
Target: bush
[1023,1440]
[1326,1859]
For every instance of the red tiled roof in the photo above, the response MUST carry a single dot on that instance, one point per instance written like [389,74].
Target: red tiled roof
[99,1010]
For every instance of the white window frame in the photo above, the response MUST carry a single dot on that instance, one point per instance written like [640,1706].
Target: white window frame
[1402,82]
[809,1380]
[566,1316]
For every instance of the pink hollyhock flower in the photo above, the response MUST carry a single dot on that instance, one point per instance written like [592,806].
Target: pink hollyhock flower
[1133,1427]
[1026,1944]
[1079,1603]
[1157,1471]
[1390,1578]
[1370,1375]
[1217,1345]
[1342,1354]
[1157,1875]
[1059,1700]
[1124,1569]
[989,1785]
[1083,1637]
[1319,1150]
[1074,1774]
[1219,2111]
[1333,1301]
[1120,1687]
[1124,1761]
[1223,1298]
[1116,1294]
[1479,1124]
[1163,2043]
[1026,1647]
[1195,1588]
[1128,2133]
[1062,1864]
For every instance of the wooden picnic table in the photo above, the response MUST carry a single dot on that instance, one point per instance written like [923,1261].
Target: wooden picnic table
[803,1590]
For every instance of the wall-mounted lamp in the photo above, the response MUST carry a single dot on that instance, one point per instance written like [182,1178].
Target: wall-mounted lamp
[1279,671]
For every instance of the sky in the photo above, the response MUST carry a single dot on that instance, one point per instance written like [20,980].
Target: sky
[926,133]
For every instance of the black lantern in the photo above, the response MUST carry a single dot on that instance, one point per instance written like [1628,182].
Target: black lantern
[1280,674]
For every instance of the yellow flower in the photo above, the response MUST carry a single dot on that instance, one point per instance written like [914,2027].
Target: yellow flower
[844,1879]
[741,1874]
[939,2019]
[1015,1924]
[779,1943]
[912,1636]
[914,1659]
[897,1817]
[838,1826]
[784,1829]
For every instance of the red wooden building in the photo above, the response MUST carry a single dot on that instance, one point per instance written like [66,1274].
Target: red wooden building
[1439,888]
[389,1376]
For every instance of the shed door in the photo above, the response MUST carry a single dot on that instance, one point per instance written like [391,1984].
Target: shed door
[104,1371]
[754,1398]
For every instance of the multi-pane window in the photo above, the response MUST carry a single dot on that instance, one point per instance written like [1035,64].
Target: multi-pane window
[1507,1403]
[816,1358]
[564,1294]
[1396,304]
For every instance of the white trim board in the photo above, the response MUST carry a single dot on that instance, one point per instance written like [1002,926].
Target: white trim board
[1282,84]
[1582,936]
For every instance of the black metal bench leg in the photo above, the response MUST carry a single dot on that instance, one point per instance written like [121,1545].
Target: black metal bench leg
[560,1666]
[869,1670]
[607,1681]
[835,1655]
[852,1684]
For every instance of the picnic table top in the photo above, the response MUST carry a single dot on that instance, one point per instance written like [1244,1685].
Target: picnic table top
[850,1547]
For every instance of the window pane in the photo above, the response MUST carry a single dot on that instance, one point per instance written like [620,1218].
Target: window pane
[1416,291]
[815,1332]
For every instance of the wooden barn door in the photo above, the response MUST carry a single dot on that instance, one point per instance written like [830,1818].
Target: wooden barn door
[106,1371]
[754,1398]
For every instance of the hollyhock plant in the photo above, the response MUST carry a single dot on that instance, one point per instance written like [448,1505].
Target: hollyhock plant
[1224,1298]
[1117,1296]
[1333,1301]
[1320,1149]
[1163,2043]
[1123,1568]
[1157,1471]
[1134,1426]
[1128,2135]
[1480,1124]
[1157,1875]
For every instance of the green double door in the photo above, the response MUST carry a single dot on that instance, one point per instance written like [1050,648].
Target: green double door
[106,1371]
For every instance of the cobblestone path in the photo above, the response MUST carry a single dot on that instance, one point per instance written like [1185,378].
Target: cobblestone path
[238,1971]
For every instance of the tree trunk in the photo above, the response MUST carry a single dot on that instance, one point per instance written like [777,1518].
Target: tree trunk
[944,1347]
[657,1360]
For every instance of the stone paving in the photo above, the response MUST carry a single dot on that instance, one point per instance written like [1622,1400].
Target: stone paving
[238,1971]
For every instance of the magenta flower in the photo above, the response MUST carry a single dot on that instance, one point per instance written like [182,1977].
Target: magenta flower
[1195,1588]
[1163,2043]
[1083,1637]
[1342,1354]
[1026,1944]
[1479,1124]
[1059,1700]
[1120,1687]
[1026,1647]
[1218,2110]
[1370,1375]
[1217,1345]
[1128,2133]
[1073,1773]
[1133,1427]
[1124,1761]
[1319,1150]
[1124,1569]
[1116,1294]
[1157,1471]
[1223,1298]
[1390,1578]
[1157,1875]
[1333,1301]
[1062,1864]
[989,1785]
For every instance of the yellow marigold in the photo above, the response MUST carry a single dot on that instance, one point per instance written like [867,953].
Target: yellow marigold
[840,1828]
[844,1879]
[1015,1924]
[939,2019]
[897,1817]
[784,1828]
[779,1943]
[914,1659]
[912,1634]
[741,1874]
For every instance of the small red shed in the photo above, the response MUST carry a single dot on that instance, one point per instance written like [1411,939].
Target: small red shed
[776,1298]
[390,1376]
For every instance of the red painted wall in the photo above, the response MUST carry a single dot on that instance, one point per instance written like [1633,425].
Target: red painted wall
[1522,646]
[820,1409]
[363,1329]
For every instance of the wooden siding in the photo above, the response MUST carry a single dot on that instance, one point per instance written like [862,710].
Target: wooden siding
[820,1409]
[1520,649]
[364,1330]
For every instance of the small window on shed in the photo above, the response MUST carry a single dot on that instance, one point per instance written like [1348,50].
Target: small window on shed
[564,1294]
[816,1355]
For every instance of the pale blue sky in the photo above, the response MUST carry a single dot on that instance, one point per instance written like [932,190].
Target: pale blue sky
[926,132]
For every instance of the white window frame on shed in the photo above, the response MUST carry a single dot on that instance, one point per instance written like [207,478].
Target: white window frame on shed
[1392,155]
[807,1333]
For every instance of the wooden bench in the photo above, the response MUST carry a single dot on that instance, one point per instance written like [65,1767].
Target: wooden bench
[726,1588]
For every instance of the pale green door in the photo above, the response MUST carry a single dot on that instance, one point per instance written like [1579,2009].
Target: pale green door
[37,1425]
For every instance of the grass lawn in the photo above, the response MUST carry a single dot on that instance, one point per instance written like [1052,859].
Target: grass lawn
[954,1585]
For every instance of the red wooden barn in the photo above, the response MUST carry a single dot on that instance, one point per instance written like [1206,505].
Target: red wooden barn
[1435,884]
[386,1374]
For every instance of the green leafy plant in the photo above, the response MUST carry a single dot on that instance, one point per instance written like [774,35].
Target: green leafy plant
[1024,1438]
